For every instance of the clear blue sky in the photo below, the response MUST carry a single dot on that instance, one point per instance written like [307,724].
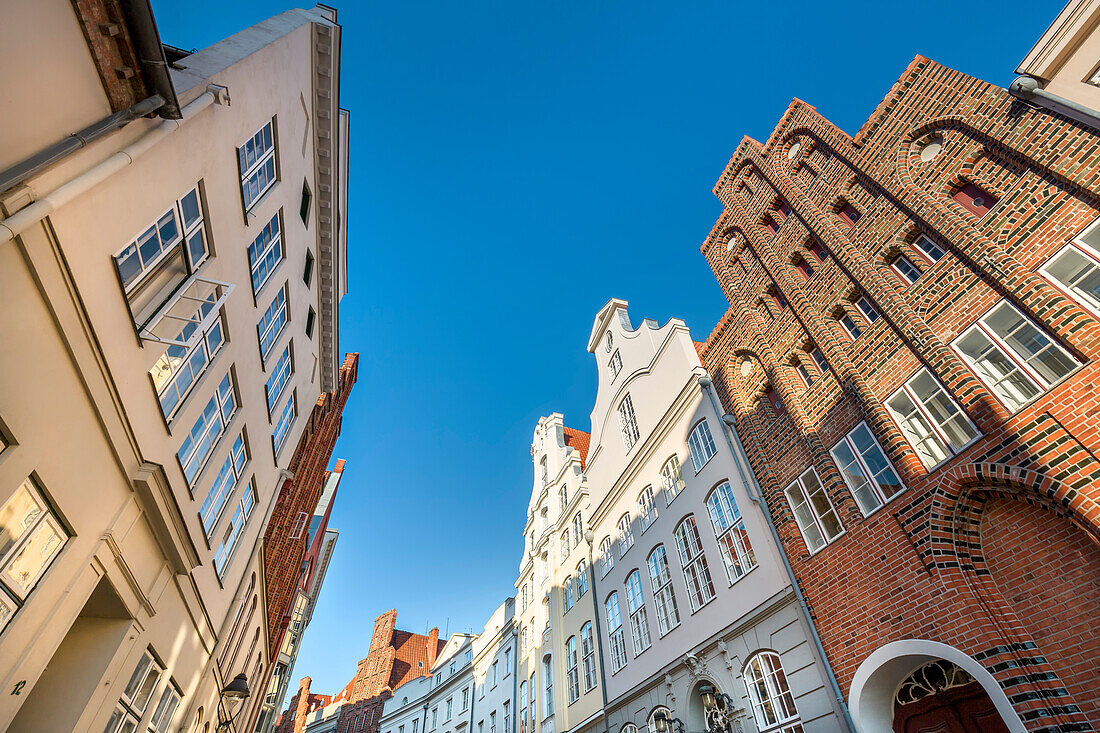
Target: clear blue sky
[513,166]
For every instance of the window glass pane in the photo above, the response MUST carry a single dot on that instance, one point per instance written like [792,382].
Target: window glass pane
[930,249]
[1005,379]
[18,515]
[882,474]
[1036,349]
[31,560]
[1076,272]
[929,446]
[855,477]
[943,410]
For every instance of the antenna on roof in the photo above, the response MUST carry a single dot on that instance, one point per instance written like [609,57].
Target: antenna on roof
[447,633]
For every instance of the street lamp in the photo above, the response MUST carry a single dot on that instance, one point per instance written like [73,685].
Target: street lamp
[661,722]
[717,709]
[233,696]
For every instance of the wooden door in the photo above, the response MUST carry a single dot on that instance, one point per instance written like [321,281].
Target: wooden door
[966,709]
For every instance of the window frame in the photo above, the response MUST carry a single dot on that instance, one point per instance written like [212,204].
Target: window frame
[672,476]
[662,590]
[700,436]
[275,244]
[777,699]
[248,170]
[628,423]
[694,565]
[281,429]
[615,637]
[647,502]
[220,403]
[926,252]
[924,414]
[817,520]
[266,329]
[588,656]
[236,465]
[641,640]
[227,548]
[573,682]
[182,241]
[42,515]
[732,538]
[626,535]
[869,477]
[904,268]
[615,365]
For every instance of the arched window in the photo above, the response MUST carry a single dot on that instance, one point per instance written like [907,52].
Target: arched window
[582,578]
[701,445]
[673,478]
[635,604]
[626,536]
[568,593]
[606,560]
[572,676]
[578,529]
[629,728]
[544,471]
[648,506]
[608,341]
[565,546]
[729,530]
[548,686]
[563,497]
[615,633]
[660,583]
[694,564]
[772,702]
[588,652]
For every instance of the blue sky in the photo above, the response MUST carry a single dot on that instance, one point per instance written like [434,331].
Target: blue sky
[513,166]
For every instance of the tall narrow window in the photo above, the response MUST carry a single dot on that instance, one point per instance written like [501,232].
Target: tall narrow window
[548,687]
[208,429]
[265,252]
[975,199]
[279,379]
[635,604]
[286,420]
[865,469]
[307,199]
[701,445]
[729,530]
[772,701]
[563,498]
[660,583]
[934,424]
[588,652]
[626,536]
[1013,356]
[804,374]
[272,322]
[30,538]
[311,316]
[819,359]
[615,365]
[165,709]
[615,633]
[567,593]
[849,325]
[578,529]
[607,561]
[523,706]
[307,271]
[136,696]
[582,578]
[673,478]
[573,678]
[814,513]
[564,546]
[648,506]
[224,553]
[224,485]
[256,159]
[694,564]
[628,423]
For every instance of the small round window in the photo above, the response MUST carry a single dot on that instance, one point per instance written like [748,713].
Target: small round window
[931,148]
[794,151]
[746,367]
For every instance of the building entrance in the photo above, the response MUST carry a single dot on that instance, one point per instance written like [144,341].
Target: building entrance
[941,697]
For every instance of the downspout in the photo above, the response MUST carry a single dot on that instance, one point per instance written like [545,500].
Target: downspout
[424,728]
[752,488]
[45,205]
[1027,88]
[591,570]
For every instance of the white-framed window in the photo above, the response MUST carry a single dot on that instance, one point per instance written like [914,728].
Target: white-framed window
[448,709]
[929,248]
[772,701]
[544,471]
[181,226]
[628,422]
[266,252]
[30,538]
[563,497]
[136,696]
[864,306]
[651,722]
[607,560]
[165,709]
[673,478]
[299,527]
[548,686]
[906,269]
[934,424]
[729,530]
[272,322]
[582,578]
[507,716]
[578,529]
[567,593]
[694,564]
[256,159]
[573,677]
[660,583]
[648,506]
[493,722]
[615,632]
[849,325]
[588,654]
[523,595]
[1016,359]
[279,379]
[1076,268]
[564,546]
[609,342]
[208,429]
[804,374]
[626,536]
[635,605]
[866,469]
[224,484]
[701,446]
[286,419]
[180,367]
[817,519]
[523,642]
[233,532]
[615,365]
[523,706]
[819,360]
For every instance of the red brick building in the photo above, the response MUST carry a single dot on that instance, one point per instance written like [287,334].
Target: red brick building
[911,357]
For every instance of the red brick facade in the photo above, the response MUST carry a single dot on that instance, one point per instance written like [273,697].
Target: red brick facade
[108,35]
[994,550]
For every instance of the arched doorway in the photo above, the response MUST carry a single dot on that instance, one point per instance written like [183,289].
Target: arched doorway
[942,697]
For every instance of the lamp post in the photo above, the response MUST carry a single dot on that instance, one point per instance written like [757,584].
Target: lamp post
[233,696]
[718,709]
[661,722]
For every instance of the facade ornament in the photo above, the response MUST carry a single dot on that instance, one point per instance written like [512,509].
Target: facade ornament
[670,694]
[724,650]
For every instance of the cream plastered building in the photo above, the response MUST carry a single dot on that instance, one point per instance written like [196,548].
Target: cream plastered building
[1065,61]
[172,295]
[690,585]
[554,611]
[495,679]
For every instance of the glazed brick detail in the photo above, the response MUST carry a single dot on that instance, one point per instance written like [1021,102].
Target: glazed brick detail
[967,554]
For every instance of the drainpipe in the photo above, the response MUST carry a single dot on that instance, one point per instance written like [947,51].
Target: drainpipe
[515,675]
[45,205]
[752,488]
[591,570]
[1028,89]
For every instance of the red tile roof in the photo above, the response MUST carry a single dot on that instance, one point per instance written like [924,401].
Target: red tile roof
[578,439]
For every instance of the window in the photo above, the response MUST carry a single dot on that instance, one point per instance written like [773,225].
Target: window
[865,469]
[608,342]
[279,379]
[626,536]
[628,423]
[180,367]
[729,530]
[849,214]
[233,532]
[615,633]
[567,594]
[256,159]
[272,322]
[773,399]
[496,674]
[416,724]
[311,316]
[507,660]
[548,687]
[447,713]
[864,306]
[694,564]
[507,717]
[523,643]
[435,714]
[207,430]
[523,595]
[975,199]
[563,497]
[635,605]
[818,250]
[905,268]
[660,583]
[929,248]
[648,506]
[224,485]
[778,300]
[588,652]
[135,698]
[307,198]
[165,239]
[582,578]
[772,702]
[615,365]
[265,253]
[932,422]
[701,445]
[578,529]
[282,427]
[673,478]
[465,698]
[572,681]
[814,513]
[470,655]
[564,546]
[849,326]
[523,706]
[30,538]
[607,561]
[804,374]
[804,267]
[1077,269]
[545,471]
[1013,356]
[819,359]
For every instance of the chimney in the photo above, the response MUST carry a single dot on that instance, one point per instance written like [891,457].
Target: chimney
[433,649]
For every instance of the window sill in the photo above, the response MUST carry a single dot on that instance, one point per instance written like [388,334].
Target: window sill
[661,636]
[697,610]
[743,575]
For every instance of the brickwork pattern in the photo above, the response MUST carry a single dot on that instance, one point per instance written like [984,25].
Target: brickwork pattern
[107,34]
[812,220]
